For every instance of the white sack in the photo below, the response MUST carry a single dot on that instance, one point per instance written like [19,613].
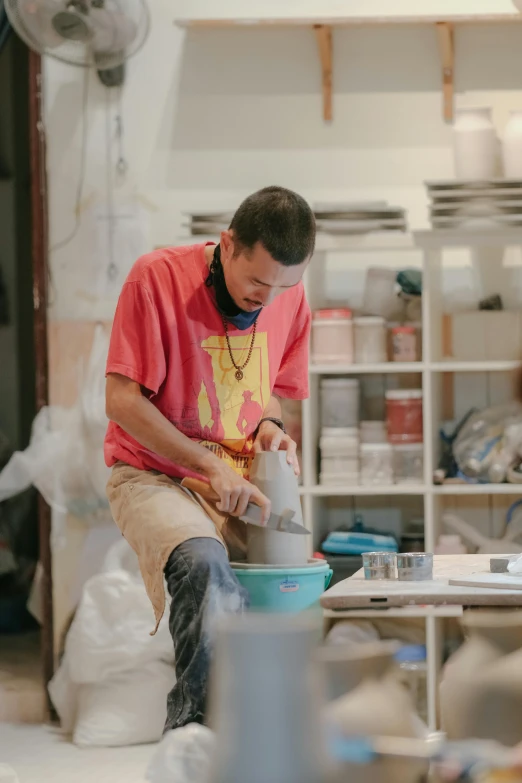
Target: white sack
[111,630]
[129,709]
[183,756]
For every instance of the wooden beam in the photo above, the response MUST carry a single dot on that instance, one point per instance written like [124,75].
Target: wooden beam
[323,34]
[445,35]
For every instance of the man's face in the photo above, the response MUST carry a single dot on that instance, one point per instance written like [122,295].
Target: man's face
[253,278]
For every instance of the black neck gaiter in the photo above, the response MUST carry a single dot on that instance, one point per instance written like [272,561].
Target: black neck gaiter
[241,319]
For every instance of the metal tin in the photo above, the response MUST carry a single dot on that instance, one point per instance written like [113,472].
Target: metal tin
[415,567]
[379,565]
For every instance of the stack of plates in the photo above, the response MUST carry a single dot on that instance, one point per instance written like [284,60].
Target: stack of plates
[207,222]
[353,218]
[488,204]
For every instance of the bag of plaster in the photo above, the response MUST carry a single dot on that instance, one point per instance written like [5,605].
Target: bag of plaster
[184,756]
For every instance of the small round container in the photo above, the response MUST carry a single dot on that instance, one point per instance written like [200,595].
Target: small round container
[408,463]
[332,336]
[340,402]
[379,565]
[370,340]
[404,344]
[404,416]
[414,567]
[376,464]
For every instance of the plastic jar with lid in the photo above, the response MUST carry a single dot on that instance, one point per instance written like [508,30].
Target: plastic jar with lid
[376,464]
[404,415]
[404,344]
[413,673]
[339,402]
[408,463]
[332,336]
[370,340]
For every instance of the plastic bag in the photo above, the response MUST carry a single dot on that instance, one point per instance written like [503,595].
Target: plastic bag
[489,443]
[64,459]
[184,756]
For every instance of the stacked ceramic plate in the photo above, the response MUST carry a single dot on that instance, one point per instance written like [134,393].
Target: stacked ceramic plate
[359,218]
[203,222]
[465,204]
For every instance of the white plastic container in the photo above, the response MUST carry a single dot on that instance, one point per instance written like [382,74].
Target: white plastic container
[376,464]
[512,146]
[450,545]
[339,402]
[332,336]
[408,463]
[339,442]
[370,340]
[379,296]
[373,432]
[339,465]
[475,144]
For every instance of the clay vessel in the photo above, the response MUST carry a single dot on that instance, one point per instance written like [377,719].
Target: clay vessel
[475,144]
[272,474]
[378,705]
[265,702]
[481,690]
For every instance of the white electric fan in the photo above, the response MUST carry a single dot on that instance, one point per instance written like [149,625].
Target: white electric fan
[89,33]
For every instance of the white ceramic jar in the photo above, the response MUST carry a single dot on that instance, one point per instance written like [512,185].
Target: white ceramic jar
[512,146]
[475,144]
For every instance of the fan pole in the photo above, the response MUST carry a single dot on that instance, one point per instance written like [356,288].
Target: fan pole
[40,264]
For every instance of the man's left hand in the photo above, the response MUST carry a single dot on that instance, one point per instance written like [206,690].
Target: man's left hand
[270,437]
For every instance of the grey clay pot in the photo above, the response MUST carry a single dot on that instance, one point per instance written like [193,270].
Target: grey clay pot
[276,479]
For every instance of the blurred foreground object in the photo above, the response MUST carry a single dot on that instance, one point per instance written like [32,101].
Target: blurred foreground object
[265,702]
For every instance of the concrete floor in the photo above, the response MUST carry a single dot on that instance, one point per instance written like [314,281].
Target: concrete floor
[40,753]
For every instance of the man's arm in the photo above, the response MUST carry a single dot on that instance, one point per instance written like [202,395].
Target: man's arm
[270,437]
[134,413]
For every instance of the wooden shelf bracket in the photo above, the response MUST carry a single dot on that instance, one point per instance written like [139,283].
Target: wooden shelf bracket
[445,36]
[323,34]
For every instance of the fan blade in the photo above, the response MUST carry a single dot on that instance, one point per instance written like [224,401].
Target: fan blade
[37,16]
[113,31]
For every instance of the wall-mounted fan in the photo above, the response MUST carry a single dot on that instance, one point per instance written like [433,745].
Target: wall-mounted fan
[89,33]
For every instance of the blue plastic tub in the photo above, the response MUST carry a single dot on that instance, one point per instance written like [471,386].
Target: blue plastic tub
[285,589]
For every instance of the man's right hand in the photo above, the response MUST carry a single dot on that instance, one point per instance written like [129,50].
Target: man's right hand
[235,492]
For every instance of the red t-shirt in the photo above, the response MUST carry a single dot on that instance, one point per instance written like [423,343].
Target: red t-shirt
[168,336]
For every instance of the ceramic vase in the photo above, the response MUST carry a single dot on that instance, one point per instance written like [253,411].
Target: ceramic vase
[512,146]
[481,690]
[265,702]
[475,145]
[272,474]
[376,704]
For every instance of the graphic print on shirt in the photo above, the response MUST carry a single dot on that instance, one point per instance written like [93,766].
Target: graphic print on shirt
[230,410]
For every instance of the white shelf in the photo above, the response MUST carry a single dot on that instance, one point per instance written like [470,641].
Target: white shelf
[478,489]
[324,490]
[373,242]
[366,369]
[404,613]
[486,366]
[306,12]
[436,240]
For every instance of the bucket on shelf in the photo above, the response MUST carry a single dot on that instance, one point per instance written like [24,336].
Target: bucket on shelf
[284,588]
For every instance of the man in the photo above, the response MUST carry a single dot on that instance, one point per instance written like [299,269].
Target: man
[206,340]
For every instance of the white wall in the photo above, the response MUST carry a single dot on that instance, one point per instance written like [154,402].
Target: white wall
[211,115]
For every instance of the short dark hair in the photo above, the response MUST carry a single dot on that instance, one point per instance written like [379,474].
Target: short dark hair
[280,220]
